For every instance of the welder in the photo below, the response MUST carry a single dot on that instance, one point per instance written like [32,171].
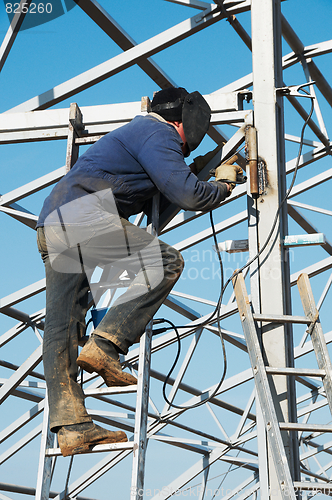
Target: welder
[84,224]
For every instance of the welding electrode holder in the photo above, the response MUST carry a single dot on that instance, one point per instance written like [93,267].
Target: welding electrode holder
[240,178]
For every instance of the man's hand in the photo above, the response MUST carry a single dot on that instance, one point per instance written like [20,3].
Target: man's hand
[201,161]
[228,173]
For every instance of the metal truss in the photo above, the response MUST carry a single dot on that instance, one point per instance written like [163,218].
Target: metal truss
[221,449]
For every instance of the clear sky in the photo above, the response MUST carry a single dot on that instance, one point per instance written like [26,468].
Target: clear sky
[47,55]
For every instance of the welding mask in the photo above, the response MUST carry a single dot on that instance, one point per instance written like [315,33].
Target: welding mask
[176,104]
[196,114]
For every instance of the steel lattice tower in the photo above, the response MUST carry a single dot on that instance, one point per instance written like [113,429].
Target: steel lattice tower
[220,449]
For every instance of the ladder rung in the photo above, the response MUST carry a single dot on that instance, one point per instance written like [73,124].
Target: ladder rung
[290,426]
[53,452]
[282,318]
[304,372]
[104,391]
[90,139]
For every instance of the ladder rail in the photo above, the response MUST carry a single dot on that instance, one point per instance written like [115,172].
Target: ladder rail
[45,461]
[143,385]
[140,439]
[316,333]
[288,487]
[263,390]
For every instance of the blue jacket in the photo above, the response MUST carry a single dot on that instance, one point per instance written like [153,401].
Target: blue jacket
[136,161]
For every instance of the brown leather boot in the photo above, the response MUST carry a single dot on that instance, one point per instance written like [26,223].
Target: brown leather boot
[78,438]
[106,364]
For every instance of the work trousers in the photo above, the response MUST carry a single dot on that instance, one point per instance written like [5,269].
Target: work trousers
[155,266]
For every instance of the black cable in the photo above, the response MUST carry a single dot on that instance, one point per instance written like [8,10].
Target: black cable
[238,271]
[200,403]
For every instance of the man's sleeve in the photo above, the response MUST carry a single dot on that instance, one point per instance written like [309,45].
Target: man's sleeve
[162,159]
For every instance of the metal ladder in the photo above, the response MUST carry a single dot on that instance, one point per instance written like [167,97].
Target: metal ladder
[288,487]
[138,444]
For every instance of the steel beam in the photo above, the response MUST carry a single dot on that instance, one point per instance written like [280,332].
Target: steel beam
[34,321]
[307,226]
[195,4]
[21,421]
[47,125]
[207,233]
[20,444]
[311,182]
[102,18]
[299,50]
[270,281]
[120,62]
[32,187]
[22,294]
[174,487]
[24,490]
[310,207]
[8,388]
[21,127]
[13,30]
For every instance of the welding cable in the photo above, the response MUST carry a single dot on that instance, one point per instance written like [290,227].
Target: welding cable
[238,271]
[216,390]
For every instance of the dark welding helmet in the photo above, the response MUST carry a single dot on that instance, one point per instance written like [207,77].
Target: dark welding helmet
[176,104]
[196,114]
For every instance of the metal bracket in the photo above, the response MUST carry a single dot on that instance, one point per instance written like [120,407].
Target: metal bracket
[76,118]
[145,104]
[245,94]
[295,90]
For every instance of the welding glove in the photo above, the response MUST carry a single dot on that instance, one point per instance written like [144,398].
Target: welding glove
[230,174]
[201,161]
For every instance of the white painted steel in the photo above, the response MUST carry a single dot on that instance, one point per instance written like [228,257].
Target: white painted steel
[13,30]
[118,63]
[52,125]
[271,279]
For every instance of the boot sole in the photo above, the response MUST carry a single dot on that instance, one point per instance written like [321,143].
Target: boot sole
[83,448]
[112,379]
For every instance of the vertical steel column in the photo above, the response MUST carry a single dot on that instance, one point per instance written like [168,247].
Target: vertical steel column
[74,131]
[45,463]
[270,283]
[143,386]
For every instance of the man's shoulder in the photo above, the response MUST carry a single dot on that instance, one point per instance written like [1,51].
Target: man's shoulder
[152,121]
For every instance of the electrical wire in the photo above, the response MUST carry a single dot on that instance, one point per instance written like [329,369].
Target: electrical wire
[238,271]
[223,287]
[216,390]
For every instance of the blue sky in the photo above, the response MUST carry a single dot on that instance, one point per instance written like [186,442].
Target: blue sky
[49,54]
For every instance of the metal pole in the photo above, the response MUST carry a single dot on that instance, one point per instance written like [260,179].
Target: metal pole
[270,281]
[143,386]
